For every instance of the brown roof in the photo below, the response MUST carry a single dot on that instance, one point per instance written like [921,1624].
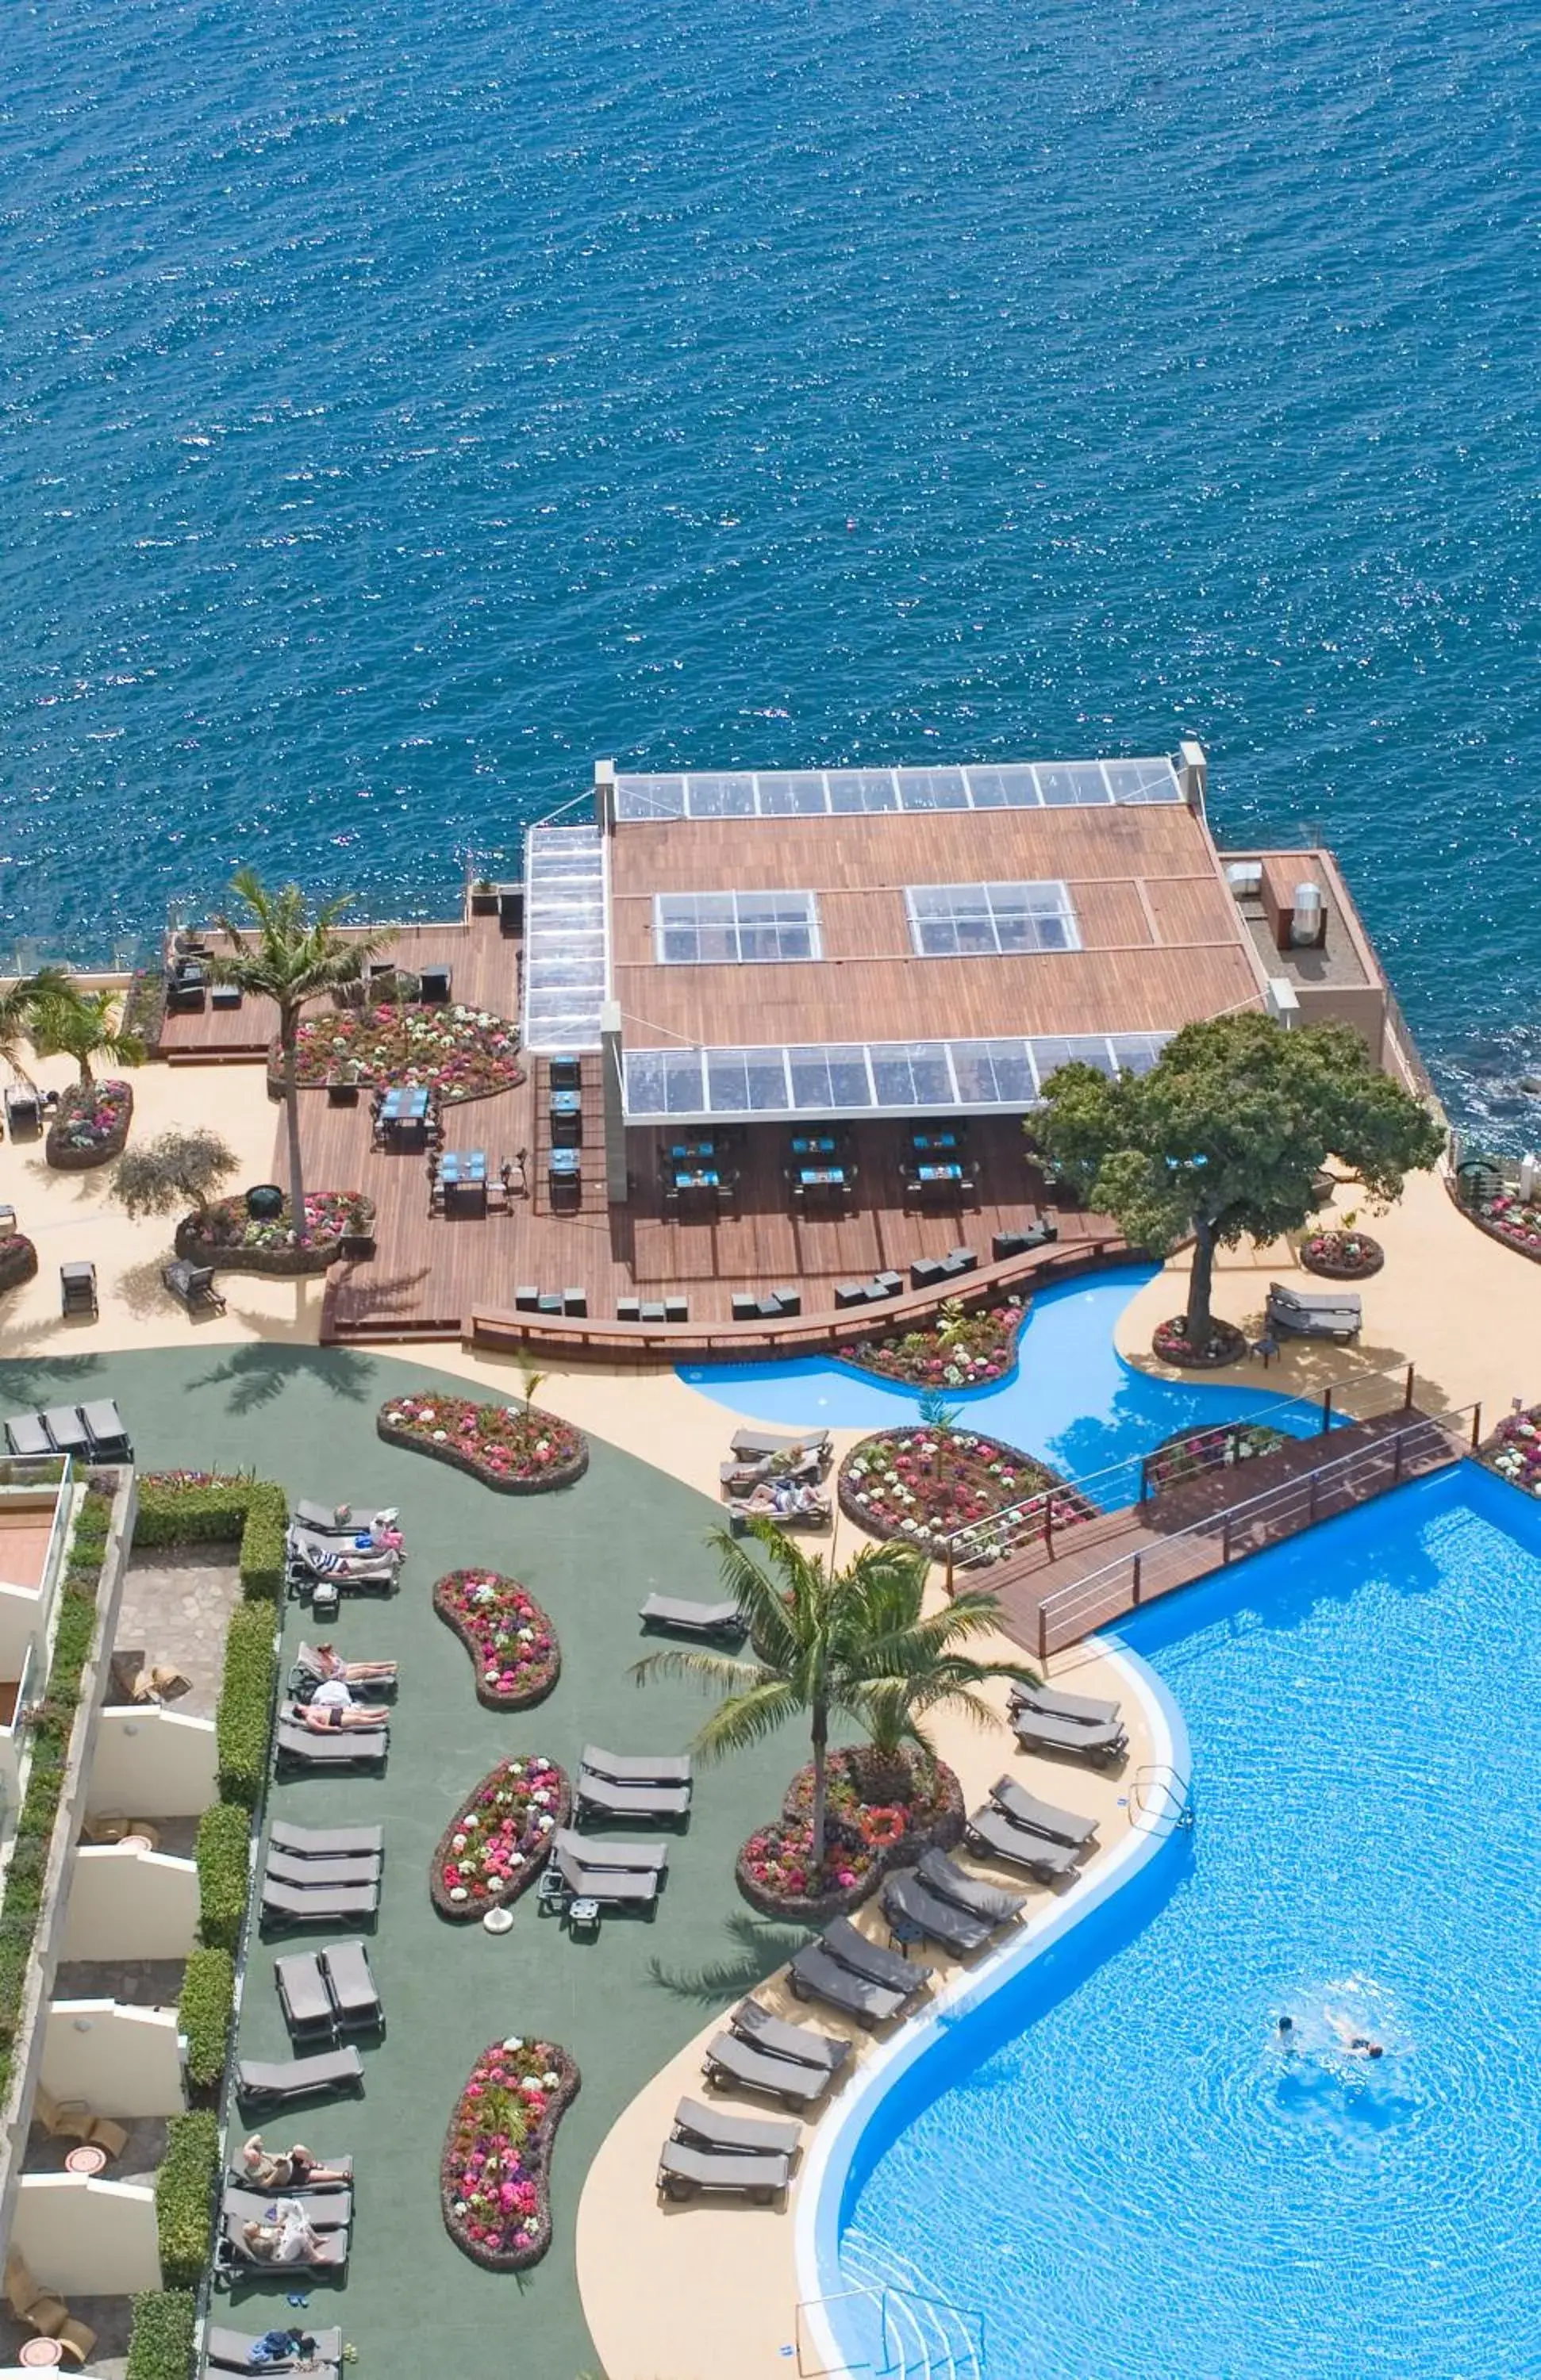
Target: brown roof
[1162,940]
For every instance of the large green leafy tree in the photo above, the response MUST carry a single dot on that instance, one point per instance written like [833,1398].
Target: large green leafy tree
[1222,1139]
[847,1643]
[286,954]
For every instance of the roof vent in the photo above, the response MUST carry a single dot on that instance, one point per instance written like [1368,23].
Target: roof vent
[1244,878]
[1308,920]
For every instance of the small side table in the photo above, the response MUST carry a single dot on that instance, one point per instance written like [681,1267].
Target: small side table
[135,1843]
[39,2355]
[904,1930]
[88,2157]
[583,1914]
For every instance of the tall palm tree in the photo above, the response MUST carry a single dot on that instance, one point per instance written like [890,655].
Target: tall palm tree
[848,1643]
[288,956]
[918,1665]
[69,1023]
[18,1007]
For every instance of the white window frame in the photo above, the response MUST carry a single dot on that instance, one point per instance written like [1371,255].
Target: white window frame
[1061,907]
[737,925]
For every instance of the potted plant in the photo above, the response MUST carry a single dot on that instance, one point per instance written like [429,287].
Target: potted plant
[484,898]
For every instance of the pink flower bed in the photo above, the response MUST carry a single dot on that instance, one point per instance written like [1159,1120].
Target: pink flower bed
[863,1838]
[516,1449]
[929,1485]
[1515,1450]
[1171,1342]
[495,2174]
[1509,1217]
[90,1125]
[496,1844]
[961,1351]
[463,1053]
[1342,1255]
[512,1643]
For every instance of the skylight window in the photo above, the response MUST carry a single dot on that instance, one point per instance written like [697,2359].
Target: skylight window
[949,921]
[735,928]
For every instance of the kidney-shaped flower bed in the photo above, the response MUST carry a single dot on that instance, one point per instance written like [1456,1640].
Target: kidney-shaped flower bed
[19,1260]
[926,1485]
[518,1449]
[88,1126]
[1512,1219]
[1189,1453]
[864,1837]
[512,1643]
[1515,1450]
[224,1234]
[494,2177]
[1342,1255]
[961,1351]
[496,1843]
[463,1053]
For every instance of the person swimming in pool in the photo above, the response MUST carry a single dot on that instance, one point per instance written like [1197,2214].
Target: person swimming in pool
[1356,2045]
[1285,2036]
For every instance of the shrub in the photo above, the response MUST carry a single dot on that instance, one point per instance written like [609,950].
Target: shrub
[184,2198]
[172,1513]
[224,1875]
[243,1722]
[204,2010]
[161,2344]
[262,1542]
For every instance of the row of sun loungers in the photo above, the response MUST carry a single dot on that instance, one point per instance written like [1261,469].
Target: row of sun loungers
[93,1433]
[1045,1720]
[331,1991]
[310,1887]
[298,1746]
[642,1785]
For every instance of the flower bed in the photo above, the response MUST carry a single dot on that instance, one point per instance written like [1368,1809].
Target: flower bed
[19,1260]
[517,1449]
[1189,1454]
[88,1126]
[1342,1256]
[927,1485]
[225,1235]
[512,1643]
[862,1838]
[463,1053]
[495,1845]
[1515,1450]
[1511,1219]
[494,2176]
[961,1351]
[1226,1345]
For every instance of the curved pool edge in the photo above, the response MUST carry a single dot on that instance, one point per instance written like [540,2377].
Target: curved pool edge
[829,2161]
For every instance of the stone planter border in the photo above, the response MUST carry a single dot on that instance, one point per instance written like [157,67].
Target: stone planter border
[19,1260]
[465,1913]
[876,1525]
[1228,1345]
[284,1264]
[556,1474]
[65,1157]
[943,1834]
[516,2260]
[1326,1269]
[491,1697]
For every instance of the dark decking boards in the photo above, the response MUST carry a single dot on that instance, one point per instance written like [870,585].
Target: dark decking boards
[485,973]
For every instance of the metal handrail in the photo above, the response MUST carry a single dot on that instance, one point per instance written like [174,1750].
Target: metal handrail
[1172,1782]
[880,2294]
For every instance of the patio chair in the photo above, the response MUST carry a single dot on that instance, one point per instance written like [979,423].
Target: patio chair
[1037,1732]
[26,1435]
[998,1838]
[814,1975]
[325,2210]
[1051,1704]
[230,2350]
[330,2254]
[109,1440]
[1315,1314]
[354,1748]
[601,1851]
[864,1957]
[710,2128]
[682,2171]
[193,1285]
[596,1795]
[71,2120]
[44,2314]
[355,1994]
[802,2042]
[78,1289]
[302,1994]
[23,1110]
[326,1842]
[319,1875]
[637,1767]
[332,1904]
[739,2064]
[949,1882]
[687,1619]
[262,2080]
[1025,1809]
[907,1903]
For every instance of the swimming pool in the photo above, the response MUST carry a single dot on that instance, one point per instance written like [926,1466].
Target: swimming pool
[1111,2163]
[1071,1400]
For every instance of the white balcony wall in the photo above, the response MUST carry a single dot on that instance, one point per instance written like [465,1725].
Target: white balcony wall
[129,1904]
[87,2239]
[21,1619]
[121,2061]
[151,1762]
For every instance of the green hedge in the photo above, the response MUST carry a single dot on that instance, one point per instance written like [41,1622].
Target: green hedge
[175,1512]
[243,1723]
[204,2010]
[184,2198]
[224,1862]
[161,2344]
[262,1542]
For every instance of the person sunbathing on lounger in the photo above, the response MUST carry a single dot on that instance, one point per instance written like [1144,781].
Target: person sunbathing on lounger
[780,1497]
[288,2240]
[322,1717]
[332,1666]
[293,2168]
[325,1564]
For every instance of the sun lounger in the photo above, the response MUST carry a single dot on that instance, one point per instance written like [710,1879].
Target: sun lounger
[814,1975]
[637,1767]
[26,1435]
[711,2128]
[307,1664]
[597,1793]
[329,2255]
[1054,1704]
[608,1885]
[801,2043]
[287,1904]
[109,1440]
[316,1874]
[325,2210]
[331,1560]
[603,1851]
[950,1882]
[691,1619]
[298,2078]
[853,1949]
[1315,1314]
[1025,1809]
[819,1515]
[326,1842]
[302,1994]
[324,1521]
[355,1994]
[737,1479]
[342,2166]
[750,1444]
[351,1747]
[682,2171]
[193,1285]
[67,1430]
[1037,1732]
[994,1833]
[728,2060]
[907,1900]
[230,2350]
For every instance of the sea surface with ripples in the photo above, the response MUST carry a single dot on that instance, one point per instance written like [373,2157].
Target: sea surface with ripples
[402,405]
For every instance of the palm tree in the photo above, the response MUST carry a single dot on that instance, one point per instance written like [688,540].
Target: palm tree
[68,1022]
[832,1643]
[18,1006]
[920,1666]
[288,956]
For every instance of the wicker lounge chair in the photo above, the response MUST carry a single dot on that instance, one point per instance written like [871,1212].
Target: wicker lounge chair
[802,2042]
[1025,1809]
[193,1286]
[1315,1314]
[597,1795]
[949,1882]
[682,2171]
[995,1835]
[691,1619]
[45,2316]
[24,1435]
[1054,1704]
[67,1430]
[261,2079]
[72,2120]
[906,1901]
[637,1767]
[109,1438]
[326,1842]
[307,1664]
[864,1957]
[1037,1732]
[355,1994]
[303,1996]
[740,2064]
[338,1520]
[752,1445]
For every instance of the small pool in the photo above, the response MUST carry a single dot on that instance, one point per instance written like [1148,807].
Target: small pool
[1072,1401]
[1111,2165]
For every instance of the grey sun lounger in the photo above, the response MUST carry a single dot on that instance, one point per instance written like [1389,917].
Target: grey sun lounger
[1054,1704]
[1025,1809]
[342,2165]
[230,2350]
[853,1949]
[326,1842]
[950,1882]
[591,1792]
[65,1426]
[1315,1314]
[324,1558]
[302,1993]
[691,1619]
[617,1886]
[320,1520]
[682,2171]
[350,1747]
[905,1897]
[814,1975]
[332,1904]
[637,1767]
[994,1833]
[710,2128]
[325,2210]
[308,1659]
[330,2256]
[109,1440]
[802,2042]
[1037,1732]
[598,1850]
[750,1445]
[316,1874]
[728,2060]
[26,1435]
[298,2078]
[355,1994]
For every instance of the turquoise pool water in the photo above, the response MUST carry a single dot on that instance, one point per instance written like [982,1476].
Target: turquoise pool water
[1072,1401]
[1112,2162]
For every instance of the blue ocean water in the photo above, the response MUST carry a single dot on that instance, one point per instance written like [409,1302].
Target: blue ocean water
[401,405]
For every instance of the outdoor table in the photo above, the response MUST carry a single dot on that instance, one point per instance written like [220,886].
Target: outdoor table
[406,1102]
[39,2355]
[698,1178]
[563,1161]
[822,1177]
[690,1152]
[930,1143]
[469,1191]
[583,1911]
[89,2157]
[938,1172]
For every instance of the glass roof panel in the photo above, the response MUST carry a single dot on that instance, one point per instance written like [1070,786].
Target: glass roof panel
[650,798]
[798,793]
[932,789]
[854,790]
[1004,789]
